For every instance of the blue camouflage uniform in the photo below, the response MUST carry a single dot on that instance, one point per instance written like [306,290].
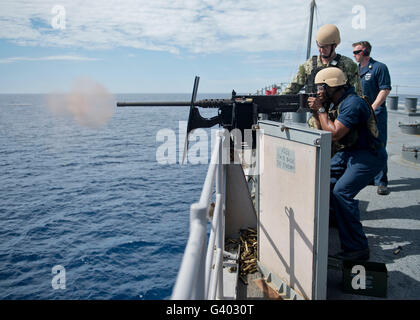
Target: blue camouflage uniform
[352,168]
[374,78]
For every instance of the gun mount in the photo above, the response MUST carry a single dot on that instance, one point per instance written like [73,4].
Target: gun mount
[239,112]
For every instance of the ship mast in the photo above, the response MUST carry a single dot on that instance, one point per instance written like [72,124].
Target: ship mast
[308,50]
[269,90]
[301,117]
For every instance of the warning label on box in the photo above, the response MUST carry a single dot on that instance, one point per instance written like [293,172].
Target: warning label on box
[286,159]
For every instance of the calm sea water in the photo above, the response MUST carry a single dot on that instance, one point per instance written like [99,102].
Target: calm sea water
[94,201]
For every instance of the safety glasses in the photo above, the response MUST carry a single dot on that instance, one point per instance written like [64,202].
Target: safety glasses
[321,87]
[323,47]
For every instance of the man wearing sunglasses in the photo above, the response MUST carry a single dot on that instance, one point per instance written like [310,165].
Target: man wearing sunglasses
[327,40]
[376,84]
[360,158]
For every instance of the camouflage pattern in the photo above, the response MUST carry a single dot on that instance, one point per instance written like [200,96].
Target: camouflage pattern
[348,140]
[304,72]
[312,123]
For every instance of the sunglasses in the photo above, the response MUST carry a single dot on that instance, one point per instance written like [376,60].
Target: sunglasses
[357,51]
[323,47]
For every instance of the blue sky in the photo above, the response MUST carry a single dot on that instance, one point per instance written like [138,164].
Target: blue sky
[159,46]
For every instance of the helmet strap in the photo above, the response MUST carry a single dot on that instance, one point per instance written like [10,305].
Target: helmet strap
[331,51]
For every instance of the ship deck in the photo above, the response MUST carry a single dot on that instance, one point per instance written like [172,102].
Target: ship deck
[390,222]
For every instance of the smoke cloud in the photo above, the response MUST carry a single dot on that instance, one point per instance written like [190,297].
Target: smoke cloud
[88,103]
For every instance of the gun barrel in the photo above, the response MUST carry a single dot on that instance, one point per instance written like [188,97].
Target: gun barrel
[266,104]
[205,103]
[154,104]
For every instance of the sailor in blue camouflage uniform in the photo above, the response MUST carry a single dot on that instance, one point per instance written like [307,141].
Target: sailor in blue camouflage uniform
[376,85]
[357,162]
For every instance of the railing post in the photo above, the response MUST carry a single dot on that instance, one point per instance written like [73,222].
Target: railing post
[190,271]
[213,274]
[218,270]
[212,239]
[220,250]
[220,190]
[195,278]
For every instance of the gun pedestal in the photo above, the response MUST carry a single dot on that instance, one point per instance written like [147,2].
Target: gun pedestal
[299,117]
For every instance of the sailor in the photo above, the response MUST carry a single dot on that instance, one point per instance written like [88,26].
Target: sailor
[360,159]
[376,85]
[327,40]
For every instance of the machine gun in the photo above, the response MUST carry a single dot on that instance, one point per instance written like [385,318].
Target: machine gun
[239,112]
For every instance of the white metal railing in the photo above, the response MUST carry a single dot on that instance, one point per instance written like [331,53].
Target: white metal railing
[197,279]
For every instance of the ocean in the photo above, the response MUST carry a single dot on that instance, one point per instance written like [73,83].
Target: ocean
[93,202]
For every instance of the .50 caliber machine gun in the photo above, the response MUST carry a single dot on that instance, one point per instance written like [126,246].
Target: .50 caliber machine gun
[239,112]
